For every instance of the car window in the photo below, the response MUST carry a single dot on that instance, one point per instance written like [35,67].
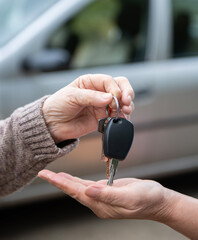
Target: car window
[15,15]
[104,32]
[185,28]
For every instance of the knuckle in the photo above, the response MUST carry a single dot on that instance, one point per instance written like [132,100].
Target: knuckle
[88,76]
[122,78]
[81,80]
[73,99]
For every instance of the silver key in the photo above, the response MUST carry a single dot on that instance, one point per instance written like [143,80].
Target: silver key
[113,167]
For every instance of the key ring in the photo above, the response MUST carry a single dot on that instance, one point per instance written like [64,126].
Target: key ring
[117,106]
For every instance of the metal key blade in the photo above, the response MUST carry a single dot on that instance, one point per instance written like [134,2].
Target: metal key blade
[113,167]
[108,168]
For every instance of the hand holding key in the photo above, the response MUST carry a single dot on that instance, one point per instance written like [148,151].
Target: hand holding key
[74,110]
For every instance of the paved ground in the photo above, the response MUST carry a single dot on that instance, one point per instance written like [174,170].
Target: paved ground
[64,218]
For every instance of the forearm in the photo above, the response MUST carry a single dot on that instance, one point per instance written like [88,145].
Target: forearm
[26,147]
[181,214]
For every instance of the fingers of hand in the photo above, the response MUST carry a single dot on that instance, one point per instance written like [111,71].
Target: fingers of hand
[127,94]
[126,89]
[128,109]
[106,194]
[76,179]
[66,185]
[87,97]
[72,186]
[98,82]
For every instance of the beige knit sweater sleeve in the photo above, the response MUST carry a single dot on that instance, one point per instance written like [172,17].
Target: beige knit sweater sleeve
[26,147]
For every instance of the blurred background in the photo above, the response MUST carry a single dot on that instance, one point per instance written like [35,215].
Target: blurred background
[45,45]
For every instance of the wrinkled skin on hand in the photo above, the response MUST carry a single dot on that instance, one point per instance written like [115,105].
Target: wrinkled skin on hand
[128,198]
[74,110]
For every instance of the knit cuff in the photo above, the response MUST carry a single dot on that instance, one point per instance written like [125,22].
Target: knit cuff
[36,135]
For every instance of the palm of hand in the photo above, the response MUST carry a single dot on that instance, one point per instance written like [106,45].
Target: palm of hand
[127,198]
[130,198]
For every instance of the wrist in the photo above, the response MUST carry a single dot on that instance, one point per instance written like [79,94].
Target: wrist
[49,120]
[182,214]
[169,205]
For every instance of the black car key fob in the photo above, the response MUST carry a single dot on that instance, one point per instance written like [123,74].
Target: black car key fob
[118,138]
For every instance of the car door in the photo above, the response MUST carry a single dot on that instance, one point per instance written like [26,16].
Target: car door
[177,80]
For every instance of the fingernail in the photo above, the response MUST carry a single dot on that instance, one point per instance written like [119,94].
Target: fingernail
[93,192]
[107,95]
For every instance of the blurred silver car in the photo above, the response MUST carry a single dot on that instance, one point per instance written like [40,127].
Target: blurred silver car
[44,45]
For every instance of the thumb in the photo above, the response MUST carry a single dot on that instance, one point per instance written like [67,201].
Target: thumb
[109,195]
[87,97]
